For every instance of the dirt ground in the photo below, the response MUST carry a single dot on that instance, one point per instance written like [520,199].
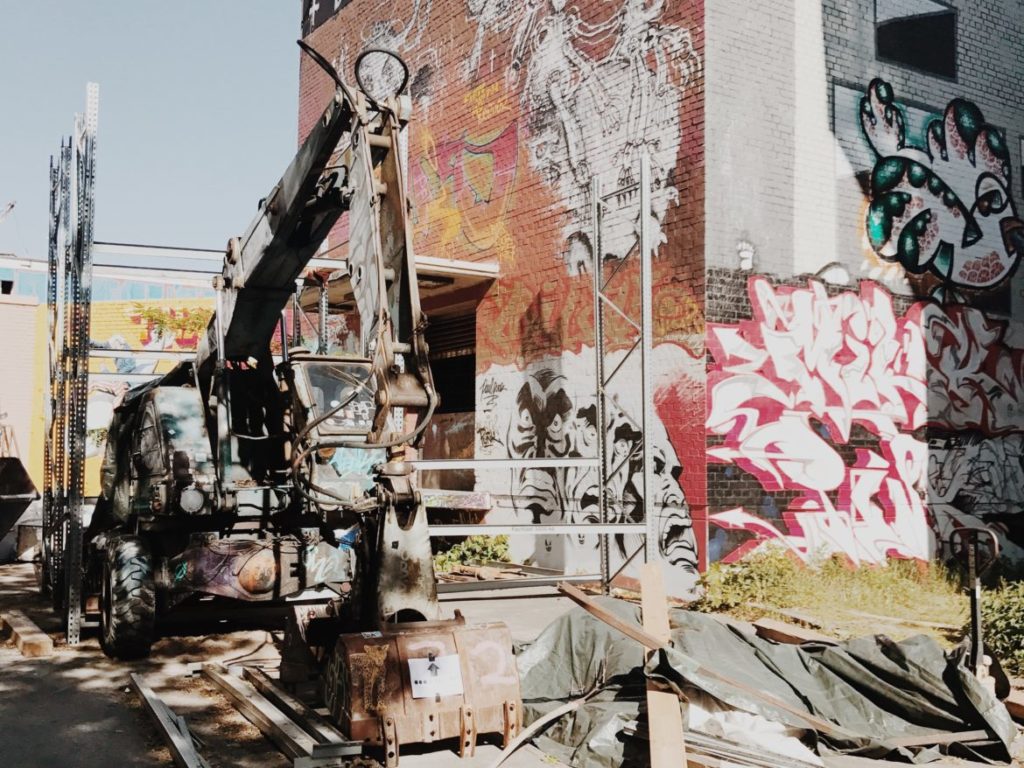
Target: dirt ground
[74,709]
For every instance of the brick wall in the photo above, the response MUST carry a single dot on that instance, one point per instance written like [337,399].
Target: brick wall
[862,398]
[518,109]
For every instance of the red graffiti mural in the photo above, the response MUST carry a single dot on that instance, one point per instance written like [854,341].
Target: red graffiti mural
[789,386]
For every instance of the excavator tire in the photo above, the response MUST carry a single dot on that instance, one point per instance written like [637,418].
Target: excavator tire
[128,609]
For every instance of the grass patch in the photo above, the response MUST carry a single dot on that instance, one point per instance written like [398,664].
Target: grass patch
[834,594]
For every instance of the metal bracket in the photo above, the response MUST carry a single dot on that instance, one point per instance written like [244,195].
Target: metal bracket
[467,740]
[389,738]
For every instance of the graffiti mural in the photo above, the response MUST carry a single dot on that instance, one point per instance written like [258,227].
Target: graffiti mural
[549,411]
[828,397]
[589,114]
[143,326]
[943,206]
[540,98]
[382,75]
[495,16]
[463,189]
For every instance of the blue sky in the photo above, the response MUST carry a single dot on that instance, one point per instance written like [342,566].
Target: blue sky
[197,118]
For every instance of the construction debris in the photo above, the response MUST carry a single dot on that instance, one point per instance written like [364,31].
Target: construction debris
[17,490]
[305,741]
[869,697]
[173,728]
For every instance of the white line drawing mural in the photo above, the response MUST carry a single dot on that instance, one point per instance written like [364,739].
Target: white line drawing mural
[548,411]
[381,74]
[591,115]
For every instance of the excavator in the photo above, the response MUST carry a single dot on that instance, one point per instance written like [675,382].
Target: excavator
[217,482]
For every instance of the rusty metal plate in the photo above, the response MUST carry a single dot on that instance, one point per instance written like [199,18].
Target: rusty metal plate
[372,685]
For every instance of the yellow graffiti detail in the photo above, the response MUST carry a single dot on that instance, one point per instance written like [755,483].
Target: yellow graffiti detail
[486,101]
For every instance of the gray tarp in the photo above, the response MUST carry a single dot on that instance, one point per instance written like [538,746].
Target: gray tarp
[871,686]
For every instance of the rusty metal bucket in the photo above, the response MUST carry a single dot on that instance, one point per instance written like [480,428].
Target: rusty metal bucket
[17,491]
[425,681]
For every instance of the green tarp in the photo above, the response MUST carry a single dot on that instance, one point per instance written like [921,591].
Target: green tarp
[874,687]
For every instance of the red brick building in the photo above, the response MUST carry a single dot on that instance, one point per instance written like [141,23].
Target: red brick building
[517,109]
[837,352]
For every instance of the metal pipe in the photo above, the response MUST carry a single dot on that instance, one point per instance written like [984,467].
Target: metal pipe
[599,412]
[284,339]
[322,320]
[646,333]
[297,314]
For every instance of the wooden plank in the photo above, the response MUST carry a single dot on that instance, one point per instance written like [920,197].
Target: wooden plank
[665,721]
[782,632]
[1015,705]
[937,739]
[303,716]
[902,620]
[179,742]
[649,641]
[632,631]
[798,616]
[31,641]
[274,724]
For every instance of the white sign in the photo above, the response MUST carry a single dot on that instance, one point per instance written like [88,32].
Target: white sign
[441,676]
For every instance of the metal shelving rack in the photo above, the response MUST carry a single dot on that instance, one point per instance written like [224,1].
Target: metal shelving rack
[69,295]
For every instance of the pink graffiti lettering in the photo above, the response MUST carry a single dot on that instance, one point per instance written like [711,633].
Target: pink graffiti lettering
[813,371]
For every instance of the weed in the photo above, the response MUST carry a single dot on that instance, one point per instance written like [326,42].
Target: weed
[474,550]
[1002,618]
[837,593]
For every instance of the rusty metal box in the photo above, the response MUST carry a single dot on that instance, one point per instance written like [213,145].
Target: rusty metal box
[377,697]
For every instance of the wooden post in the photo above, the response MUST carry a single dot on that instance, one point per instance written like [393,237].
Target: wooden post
[665,721]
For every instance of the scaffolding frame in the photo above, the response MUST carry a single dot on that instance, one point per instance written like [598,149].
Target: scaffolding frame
[641,348]
[640,459]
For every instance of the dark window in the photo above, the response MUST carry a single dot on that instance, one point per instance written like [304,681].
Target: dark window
[6,286]
[452,342]
[920,34]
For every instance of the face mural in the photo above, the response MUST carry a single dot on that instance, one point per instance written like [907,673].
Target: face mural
[943,206]
[825,398]
[547,412]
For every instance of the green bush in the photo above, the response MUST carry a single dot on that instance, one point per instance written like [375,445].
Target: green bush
[473,551]
[1002,619]
[767,577]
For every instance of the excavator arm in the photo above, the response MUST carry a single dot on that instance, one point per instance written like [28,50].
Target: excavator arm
[260,268]
[366,179]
